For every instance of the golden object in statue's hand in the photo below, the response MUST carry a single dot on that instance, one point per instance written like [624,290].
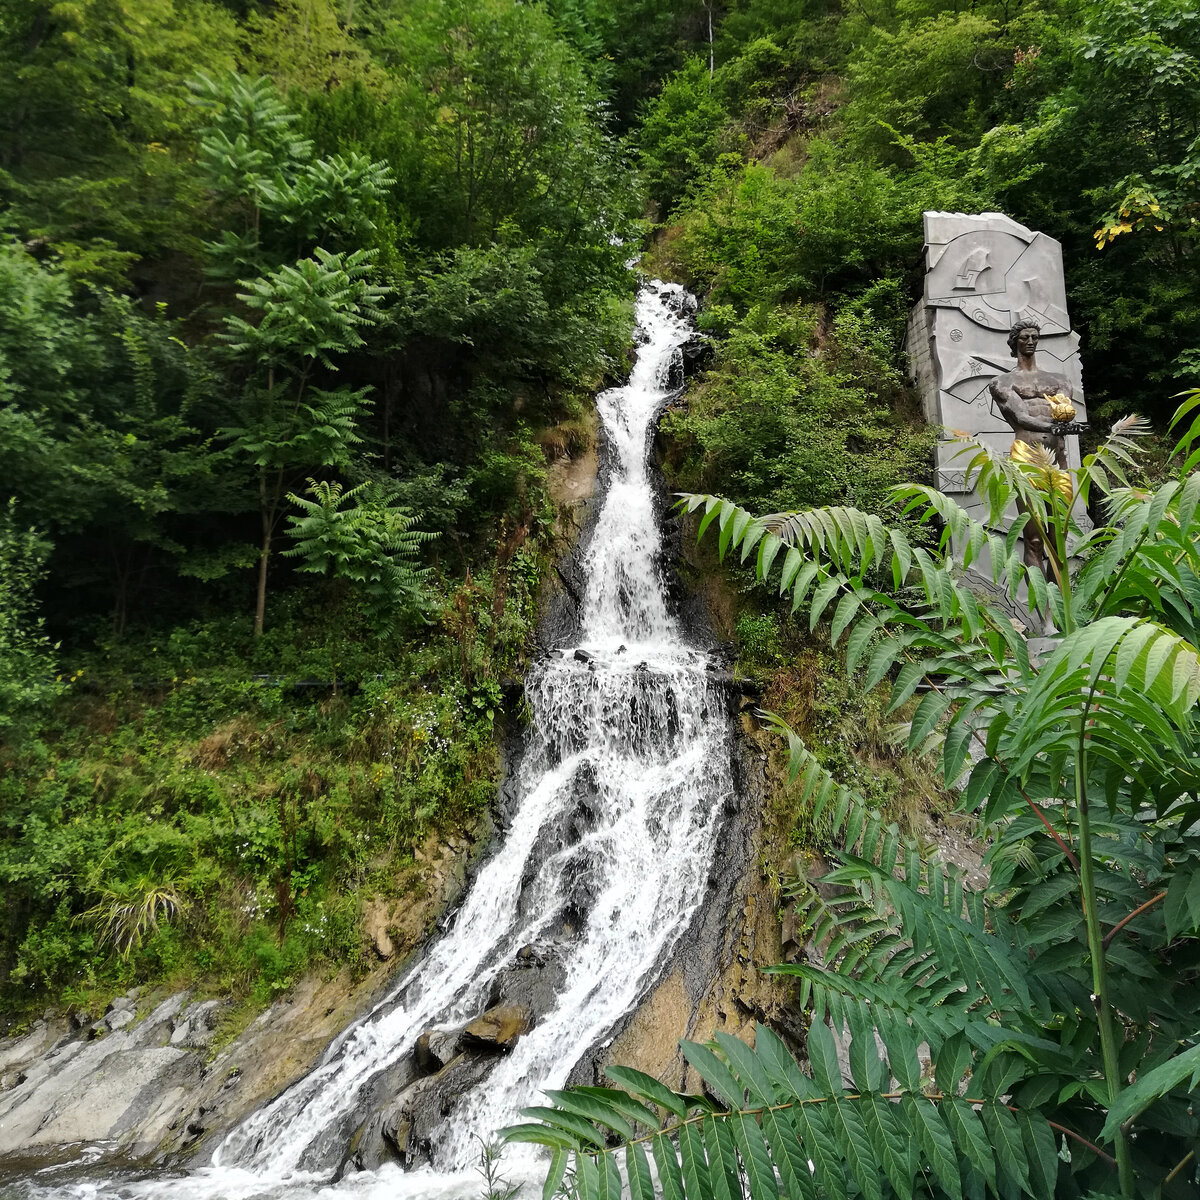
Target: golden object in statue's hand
[1061,408]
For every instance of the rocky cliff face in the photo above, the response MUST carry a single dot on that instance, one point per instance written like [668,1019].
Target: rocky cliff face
[145,1082]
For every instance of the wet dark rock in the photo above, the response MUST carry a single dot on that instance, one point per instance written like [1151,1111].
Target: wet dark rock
[404,1129]
[577,820]
[584,812]
[583,886]
[435,1048]
[697,354]
[500,1028]
[676,374]
[369,1149]
[532,983]
[583,656]
[356,1140]
[735,684]
[434,1100]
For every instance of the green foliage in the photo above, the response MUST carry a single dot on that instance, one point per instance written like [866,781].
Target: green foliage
[371,545]
[1107,137]
[96,141]
[758,637]
[1085,782]
[683,133]
[302,317]
[312,310]
[765,1127]
[95,436]
[755,235]
[263,809]
[1079,120]
[261,205]
[266,179]
[793,413]
[26,655]
[127,916]
[252,245]
[935,73]
[246,245]
[1146,56]
[516,197]
[631,46]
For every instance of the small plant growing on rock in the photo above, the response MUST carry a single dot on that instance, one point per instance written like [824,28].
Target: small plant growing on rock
[130,913]
[495,1186]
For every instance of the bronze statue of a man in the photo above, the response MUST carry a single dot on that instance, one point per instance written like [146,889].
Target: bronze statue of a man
[1037,404]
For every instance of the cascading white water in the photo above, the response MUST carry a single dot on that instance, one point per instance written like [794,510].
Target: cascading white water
[603,864]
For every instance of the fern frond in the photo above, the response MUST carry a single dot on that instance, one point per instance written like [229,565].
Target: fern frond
[1125,685]
[1002,482]
[778,1130]
[1106,465]
[1191,435]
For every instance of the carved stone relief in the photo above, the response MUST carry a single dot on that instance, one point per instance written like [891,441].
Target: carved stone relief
[983,273]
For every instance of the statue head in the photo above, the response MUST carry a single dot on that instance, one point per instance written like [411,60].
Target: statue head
[1029,343]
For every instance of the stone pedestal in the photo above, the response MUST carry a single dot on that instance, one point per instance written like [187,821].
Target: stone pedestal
[983,273]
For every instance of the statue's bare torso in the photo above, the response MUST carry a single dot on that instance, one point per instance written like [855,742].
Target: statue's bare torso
[1021,396]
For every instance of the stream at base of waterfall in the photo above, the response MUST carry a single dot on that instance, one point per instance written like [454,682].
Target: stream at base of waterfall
[600,867]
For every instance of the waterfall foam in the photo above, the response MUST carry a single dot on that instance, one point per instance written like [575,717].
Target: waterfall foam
[607,886]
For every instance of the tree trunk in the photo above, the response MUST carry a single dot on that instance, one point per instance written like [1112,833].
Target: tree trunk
[711,65]
[260,605]
[120,598]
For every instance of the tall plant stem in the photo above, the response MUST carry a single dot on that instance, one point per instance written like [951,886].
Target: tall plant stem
[1096,950]
[1060,523]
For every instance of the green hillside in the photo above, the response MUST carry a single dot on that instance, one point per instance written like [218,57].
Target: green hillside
[301,299]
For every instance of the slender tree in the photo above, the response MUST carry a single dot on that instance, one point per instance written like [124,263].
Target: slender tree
[297,316]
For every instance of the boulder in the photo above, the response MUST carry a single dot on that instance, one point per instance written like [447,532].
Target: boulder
[413,1121]
[403,1130]
[499,1028]
[16,1052]
[118,1018]
[128,1000]
[532,981]
[369,1149]
[94,1091]
[435,1048]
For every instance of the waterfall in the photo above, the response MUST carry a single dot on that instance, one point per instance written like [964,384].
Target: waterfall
[603,863]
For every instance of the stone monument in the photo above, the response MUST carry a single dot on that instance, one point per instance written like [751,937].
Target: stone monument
[984,275]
